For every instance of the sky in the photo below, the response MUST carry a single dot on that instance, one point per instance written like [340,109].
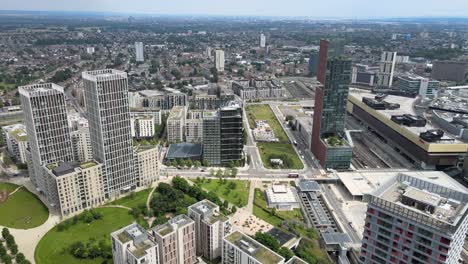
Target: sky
[311,8]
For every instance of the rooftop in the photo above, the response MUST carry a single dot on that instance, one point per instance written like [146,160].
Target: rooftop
[433,203]
[176,113]
[278,194]
[173,224]
[105,74]
[40,88]
[184,150]
[308,186]
[363,182]
[138,236]
[253,248]
[406,107]
[19,134]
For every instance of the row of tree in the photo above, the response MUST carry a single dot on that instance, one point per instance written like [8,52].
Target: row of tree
[13,248]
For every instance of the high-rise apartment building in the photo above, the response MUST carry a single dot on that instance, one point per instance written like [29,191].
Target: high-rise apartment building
[75,186]
[46,120]
[176,241]
[239,248]
[387,69]
[328,133]
[106,96]
[262,40]
[211,137]
[81,143]
[231,126]
[210,228]
[146,164]
[175,124]
[139,56]
[133,245]
[410,220]
[219,60]
[194,127]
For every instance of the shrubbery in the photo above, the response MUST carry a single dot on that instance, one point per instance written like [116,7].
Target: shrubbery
[88,216]
[91,250]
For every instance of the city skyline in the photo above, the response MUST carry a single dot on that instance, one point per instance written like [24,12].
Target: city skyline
[357,9]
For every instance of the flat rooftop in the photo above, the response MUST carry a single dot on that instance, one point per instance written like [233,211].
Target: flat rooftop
[138,236]
[363,182]
[253,248]
[308,186]
[278,194]
[172,225]
[406,107]
[40,88]
[435,201]
[105,74]
[176,113]
[150,93]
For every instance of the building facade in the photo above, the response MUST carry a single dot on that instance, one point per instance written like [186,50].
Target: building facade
[133,245]
[16,139]
[176,241]
[139,56]
[81,143]
[175,124]
[47,128]
[146,162]
[416,85]
[106,96]
[410,220]
[231,126]
[210,228]
[328,131]
[194,127]
[75,186]
[211,137]
[387,69]
[219,60]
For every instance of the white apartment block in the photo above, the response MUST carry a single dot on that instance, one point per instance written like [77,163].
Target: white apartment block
[146,164]
[175,124]
[176,241]
[81,143]
[16,140]
[139,56]
[410,220]
[262,40]
[210,228]
[219,60]
[133,245]
[75,186]
[47,128]
[387,69]
[194,127]
[143,126]
[239,248]
[258,89]
[106,97]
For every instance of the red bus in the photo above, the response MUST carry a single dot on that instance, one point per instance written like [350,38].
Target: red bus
[293,175]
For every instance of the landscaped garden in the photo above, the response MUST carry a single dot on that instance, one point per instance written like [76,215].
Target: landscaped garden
[134,199]
[84,239]
[234,191]
[20,209]
[282,149]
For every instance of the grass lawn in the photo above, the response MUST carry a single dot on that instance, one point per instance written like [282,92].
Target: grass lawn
[133,199]
[264,112]
[261,211]
[269,150]
[22,210]
[238,196]
[7,86]
[53,247]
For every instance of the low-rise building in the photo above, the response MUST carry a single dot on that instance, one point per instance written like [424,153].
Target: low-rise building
[16,140]
[132,245]
[417,85]
[75,186]
[210,228]
[146,164]
[176,241]
[238,248]
[258,89]
[282,197]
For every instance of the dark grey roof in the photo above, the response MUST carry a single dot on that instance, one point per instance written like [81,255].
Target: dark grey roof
[308,186]
[184,151]
[65,168]
[280,235]
[336,238]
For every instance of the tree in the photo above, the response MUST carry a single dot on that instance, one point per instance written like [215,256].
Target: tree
[226,204]
[5,232]
[7,159]
[189,163]
[233,209]
[197,164]
[285,253]
[205,163]
[219,173]
[268,240]
[233,172]
[20,258]
[273,211]
[6,259]
[13,249]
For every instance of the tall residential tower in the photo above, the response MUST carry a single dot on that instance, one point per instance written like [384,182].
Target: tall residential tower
[49,138]
[387,68]
[139,52]
[328,133]
[106,97]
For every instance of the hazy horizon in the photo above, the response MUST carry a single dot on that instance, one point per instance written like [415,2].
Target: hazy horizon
[359,9]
